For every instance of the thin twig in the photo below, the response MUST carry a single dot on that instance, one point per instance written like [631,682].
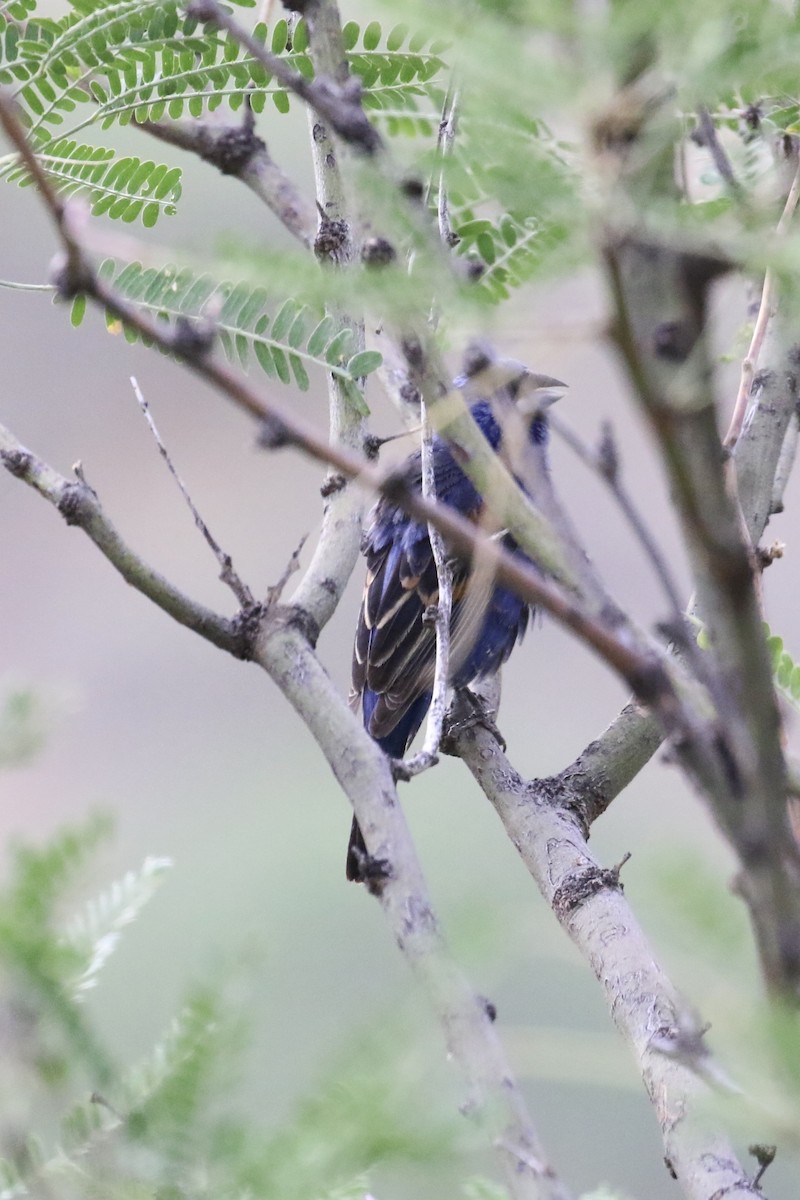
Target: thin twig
[79,505]
[766,311]
[227,572]
[445,141]
[605,463]
[275,592]
[710,139]
[26,287]
[336,552]
[444,607]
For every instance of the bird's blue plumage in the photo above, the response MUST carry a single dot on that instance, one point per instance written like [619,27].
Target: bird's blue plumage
[395,650]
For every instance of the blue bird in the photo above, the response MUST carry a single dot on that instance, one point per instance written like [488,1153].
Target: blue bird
[395,649]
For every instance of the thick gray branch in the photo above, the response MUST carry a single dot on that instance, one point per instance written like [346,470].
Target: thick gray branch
[539,818]
[364,773]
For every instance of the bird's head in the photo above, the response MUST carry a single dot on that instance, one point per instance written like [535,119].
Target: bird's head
[486,374]
[534,393]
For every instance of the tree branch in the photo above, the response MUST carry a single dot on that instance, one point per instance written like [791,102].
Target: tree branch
[237,150]
[339,106]
[659,298]
[335,247]
[364,773]
[79,505]
[766,311]
[540,819]
[441,618]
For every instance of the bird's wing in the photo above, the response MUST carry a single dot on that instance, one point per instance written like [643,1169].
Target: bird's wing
[395,649]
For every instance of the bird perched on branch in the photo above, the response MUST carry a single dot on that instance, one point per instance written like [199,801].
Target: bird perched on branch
[395,644]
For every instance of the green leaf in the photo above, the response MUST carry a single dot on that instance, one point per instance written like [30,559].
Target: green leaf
[78,309]
[372,36]
[356,398]
[364,363]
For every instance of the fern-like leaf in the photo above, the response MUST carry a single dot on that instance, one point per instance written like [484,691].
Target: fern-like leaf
[95,934]
[284,344]
[785,670]
[123,188]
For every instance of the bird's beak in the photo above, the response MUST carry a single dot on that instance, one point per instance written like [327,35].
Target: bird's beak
[538,392]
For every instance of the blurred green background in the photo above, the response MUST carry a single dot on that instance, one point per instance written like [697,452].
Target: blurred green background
[199,758]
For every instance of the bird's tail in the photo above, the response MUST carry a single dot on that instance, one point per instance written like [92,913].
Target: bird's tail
[356,853]
[359,867]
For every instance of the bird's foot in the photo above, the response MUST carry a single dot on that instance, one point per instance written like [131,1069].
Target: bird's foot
[372,872]
[467,711]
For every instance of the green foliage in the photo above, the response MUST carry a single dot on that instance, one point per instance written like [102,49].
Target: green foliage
[284,344]
[484,1189]
[23,723]
[785,669]
[168,1125]
[110,64]
[95,933]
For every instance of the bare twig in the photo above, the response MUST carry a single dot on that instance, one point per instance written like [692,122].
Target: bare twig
[276,591]
[766,311]
[605,462]
[441,617]
[710,139]
[445,141]
[79,505]
[227,572]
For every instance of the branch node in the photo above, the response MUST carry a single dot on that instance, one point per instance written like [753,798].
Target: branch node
[377,252]
[581,886]
[18,462]
[332,240]
[489,1008]
[70,504]
[335,482]
[301,620]
[765,1157]
[193,339]
[232,148]
[70,276]
[273,433]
